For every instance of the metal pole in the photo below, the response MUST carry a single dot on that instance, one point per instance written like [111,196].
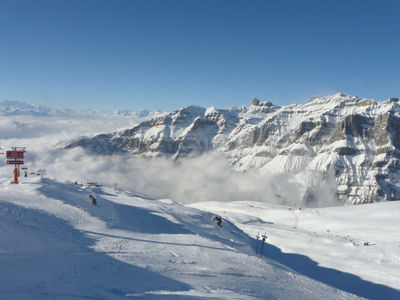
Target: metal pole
[263,242]
[257,236]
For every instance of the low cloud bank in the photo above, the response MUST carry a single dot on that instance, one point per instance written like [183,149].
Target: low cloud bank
[209,177]
[25,129]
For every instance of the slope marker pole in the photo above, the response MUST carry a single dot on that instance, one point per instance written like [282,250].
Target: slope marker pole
[257,239]
[264,236]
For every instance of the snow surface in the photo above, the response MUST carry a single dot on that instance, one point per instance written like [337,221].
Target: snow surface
[362,240]
[56,245]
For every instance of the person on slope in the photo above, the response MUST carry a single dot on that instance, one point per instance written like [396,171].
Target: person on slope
[94,201]
[218,219]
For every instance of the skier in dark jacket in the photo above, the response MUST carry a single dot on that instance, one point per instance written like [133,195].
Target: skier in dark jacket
[94,202]
[218,219]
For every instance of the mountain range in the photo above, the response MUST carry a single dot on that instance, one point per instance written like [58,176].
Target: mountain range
[355,141]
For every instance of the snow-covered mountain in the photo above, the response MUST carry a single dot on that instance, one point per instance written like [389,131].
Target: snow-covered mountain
[353,140]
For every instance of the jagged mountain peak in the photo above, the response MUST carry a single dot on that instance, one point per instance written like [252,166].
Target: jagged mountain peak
[332,98]
[193,109]
[339,95]
[258,102]
[189,111]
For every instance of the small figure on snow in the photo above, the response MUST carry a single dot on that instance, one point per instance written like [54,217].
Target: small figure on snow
[218,219]
[94,202]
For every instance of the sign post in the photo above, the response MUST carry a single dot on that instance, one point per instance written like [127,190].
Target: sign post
[15,175]
[15,157]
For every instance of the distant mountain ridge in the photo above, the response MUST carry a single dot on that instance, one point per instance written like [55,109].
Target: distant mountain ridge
[356,140]
[17,108]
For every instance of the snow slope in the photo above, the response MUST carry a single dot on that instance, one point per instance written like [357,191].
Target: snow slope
[334,237]
[56,245]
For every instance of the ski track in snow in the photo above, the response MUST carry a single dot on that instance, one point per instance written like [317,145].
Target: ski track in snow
[56,245]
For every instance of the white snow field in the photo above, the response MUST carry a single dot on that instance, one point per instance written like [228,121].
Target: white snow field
[54,244]
[363,240]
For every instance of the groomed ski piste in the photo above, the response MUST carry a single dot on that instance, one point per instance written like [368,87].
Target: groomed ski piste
[56,245]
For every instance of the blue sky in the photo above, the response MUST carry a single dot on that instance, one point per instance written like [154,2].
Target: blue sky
[167,54]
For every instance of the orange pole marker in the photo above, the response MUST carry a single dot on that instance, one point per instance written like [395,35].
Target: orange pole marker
[15,175]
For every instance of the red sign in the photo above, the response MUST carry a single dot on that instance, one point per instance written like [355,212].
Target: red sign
[15,154]
[15,162]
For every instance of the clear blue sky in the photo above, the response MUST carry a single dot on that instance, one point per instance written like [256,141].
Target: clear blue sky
[165,54]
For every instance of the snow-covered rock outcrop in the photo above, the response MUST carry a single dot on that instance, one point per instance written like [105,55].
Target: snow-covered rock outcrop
[356,140]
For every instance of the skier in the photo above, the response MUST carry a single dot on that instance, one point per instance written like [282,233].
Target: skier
[218,219]
[94,202]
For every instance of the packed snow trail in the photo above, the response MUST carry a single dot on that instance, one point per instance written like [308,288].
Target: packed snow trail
[56,244]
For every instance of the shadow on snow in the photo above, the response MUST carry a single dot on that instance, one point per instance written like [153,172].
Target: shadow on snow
[55,260]
[344,281]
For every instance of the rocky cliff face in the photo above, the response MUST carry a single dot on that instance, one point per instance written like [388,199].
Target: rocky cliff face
[356,140]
